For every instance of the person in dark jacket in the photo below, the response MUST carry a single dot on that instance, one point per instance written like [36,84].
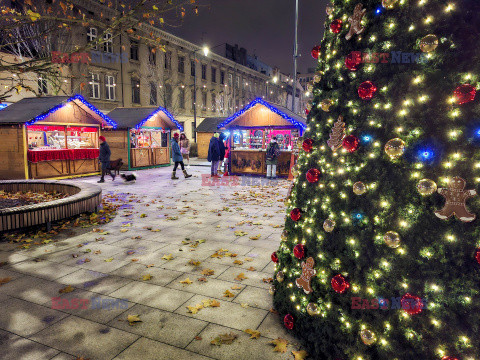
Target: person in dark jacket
[273,151]
[214,154]
[221,144]
[177,157]
[104,159]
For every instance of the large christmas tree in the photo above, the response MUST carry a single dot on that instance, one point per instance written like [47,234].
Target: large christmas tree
[379,258]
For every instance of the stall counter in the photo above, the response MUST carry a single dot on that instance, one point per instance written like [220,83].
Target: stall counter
[253,162]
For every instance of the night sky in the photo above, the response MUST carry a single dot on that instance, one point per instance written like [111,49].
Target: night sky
[263,27]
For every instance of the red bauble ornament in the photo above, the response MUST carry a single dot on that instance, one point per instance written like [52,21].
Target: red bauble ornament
[449,358]
[350,143]
[366,90]
[307,111]
[307,145]
[316,51]
[336,26]
[274,257]
[465,94]
[477,256]
[339,284]
[411,304]
[296,214]
[353,60]
[313,175]
[288,321]
[299,251]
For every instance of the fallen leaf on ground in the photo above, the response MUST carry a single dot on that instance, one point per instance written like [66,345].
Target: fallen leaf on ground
[66,289]
[198,338]
[251,268]
[280,345]
[167,257]
[194,262]
[267,280]
[248,259]
[228,294]
[134,260]
[109,260]
[149,266]
[253,333]
[123,230]
[210,303]
[194,309]
[238,262]
[240,233]
[256,237]
[147,277]
[236,287]
[241,277]
[208,272]
[244,305]
[187,281]
[5,280]
[143,215]
[300,355]
[224,339]
[132,319]
[202,279]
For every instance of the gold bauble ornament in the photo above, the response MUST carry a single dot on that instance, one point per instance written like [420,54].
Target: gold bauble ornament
[280,276]
[329,9]
[325,105]
[429,43]
[359,188]
[392,239]
[312,309]
[317,78]
[389,4]
[426,187]
[368,337]
[395,148]
[272,289]
[329,225]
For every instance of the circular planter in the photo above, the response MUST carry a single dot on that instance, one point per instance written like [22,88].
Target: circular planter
[82,198]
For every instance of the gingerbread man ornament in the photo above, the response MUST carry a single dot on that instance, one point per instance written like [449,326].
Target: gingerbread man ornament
[355,21]
[456,197]
[307,273]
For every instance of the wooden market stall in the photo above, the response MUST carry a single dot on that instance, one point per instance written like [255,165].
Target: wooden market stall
[205,131]
[250,131]
[50,137]
[142,137]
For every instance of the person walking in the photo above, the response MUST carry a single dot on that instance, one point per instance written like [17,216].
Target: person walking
[214,154]
[273,152]
[104,159]
[177,157]
[222,148]
[185,148]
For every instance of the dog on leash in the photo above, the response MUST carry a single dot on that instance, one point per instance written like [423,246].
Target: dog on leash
[115,166]
[129,178]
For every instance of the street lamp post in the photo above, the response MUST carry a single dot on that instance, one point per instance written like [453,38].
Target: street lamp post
[295,55]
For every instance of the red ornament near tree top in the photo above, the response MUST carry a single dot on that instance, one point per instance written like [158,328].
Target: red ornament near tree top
[366,90]
[307,145]
[299,251]
[274,257]
[313,175]
[316,51]
[411,304]
[465,94]
[339,284]
[353,60]
[477,256]
[336,26]
[296,214]
[449,358]
[289,321]
[350,143]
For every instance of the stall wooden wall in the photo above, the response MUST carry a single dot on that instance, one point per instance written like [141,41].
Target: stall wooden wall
[118,142]
[12,160]
[203,141]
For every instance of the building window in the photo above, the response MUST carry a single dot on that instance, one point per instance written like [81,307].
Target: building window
[181,98]
[222,77]
[110,87]
[168,95]
[135,91]
[214,102]
[108,43]
[236,104]
[92,36]
[42,86]
[237,82]
[214,75]
[245,84]
[204,72]
[168,60]
[230,104]
[204,101]
[152,56]
[222,103]
[94,86]
[192,68]
[133,50]
[153,93]
[181,65]
[230,80]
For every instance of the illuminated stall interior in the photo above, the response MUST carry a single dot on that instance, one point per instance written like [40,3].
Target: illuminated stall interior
[51,137]
[142,138]
[250,131]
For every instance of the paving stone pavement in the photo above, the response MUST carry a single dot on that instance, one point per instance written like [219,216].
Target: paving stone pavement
[159,217]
